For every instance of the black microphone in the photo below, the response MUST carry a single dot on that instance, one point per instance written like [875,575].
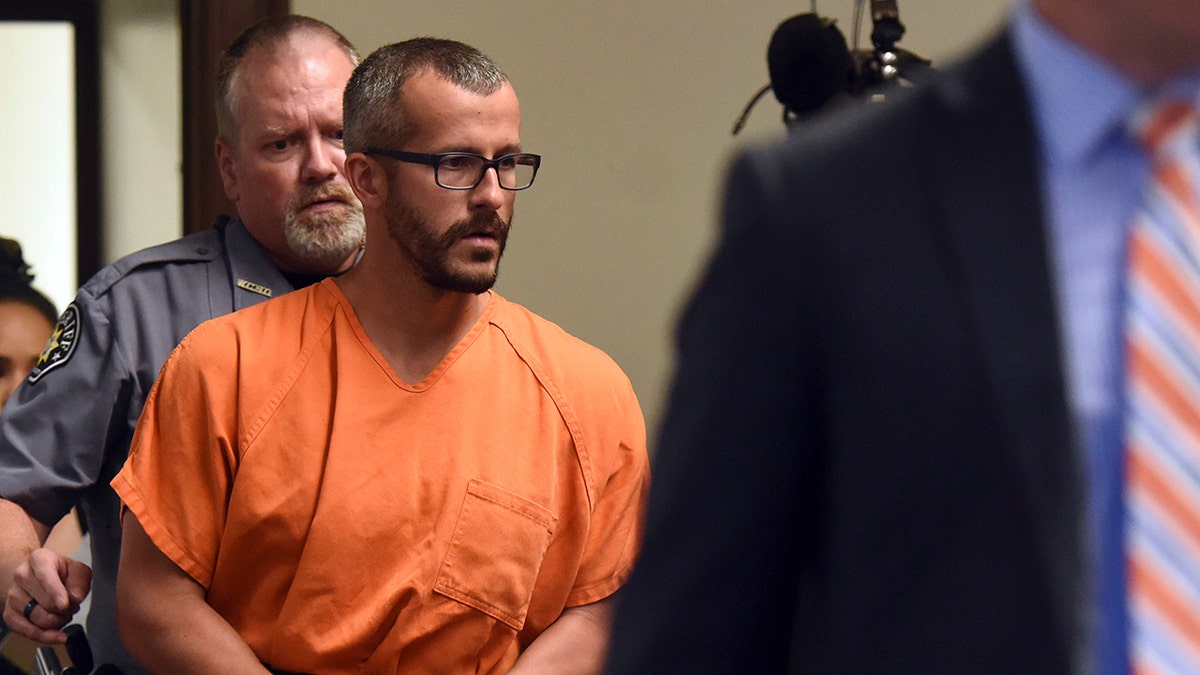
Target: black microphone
[809,63]
[811,66]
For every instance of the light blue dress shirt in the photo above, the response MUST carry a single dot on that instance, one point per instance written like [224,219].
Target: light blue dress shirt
[1093,173]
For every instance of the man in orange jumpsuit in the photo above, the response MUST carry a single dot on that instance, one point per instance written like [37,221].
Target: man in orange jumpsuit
[396,470]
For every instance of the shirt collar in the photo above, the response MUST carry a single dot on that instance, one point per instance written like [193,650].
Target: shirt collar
[1079,101]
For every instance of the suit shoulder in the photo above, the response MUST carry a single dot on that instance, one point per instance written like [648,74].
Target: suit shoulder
[201,248]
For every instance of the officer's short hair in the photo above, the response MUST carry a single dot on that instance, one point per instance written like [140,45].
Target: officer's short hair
[269,33]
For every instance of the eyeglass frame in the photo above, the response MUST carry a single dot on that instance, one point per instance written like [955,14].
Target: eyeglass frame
[435,160]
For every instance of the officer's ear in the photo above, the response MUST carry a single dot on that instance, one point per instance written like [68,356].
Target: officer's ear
[368,179]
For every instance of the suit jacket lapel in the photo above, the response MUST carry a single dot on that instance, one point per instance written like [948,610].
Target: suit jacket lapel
[986,159]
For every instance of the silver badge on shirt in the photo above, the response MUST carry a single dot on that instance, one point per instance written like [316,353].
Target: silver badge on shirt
[253,287]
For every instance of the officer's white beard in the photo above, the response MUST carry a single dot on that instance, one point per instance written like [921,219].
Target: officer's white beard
[328,238]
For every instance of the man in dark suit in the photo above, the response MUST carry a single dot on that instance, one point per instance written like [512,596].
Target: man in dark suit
[894,434]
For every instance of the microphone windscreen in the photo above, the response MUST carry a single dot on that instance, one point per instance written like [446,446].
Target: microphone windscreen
[809,62]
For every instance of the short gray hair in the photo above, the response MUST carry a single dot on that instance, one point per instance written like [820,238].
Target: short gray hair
[372,106]
[271,34]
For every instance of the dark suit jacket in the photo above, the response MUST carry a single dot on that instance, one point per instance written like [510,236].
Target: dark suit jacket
[868,465]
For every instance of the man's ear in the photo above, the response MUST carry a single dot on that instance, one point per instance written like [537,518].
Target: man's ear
[368,180]
[225,167]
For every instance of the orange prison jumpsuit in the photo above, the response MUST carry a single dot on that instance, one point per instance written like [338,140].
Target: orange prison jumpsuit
[343,521]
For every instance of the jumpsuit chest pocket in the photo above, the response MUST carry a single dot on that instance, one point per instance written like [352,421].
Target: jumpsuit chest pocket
[496,552]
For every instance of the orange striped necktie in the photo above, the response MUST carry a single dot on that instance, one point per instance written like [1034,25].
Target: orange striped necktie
[1162,434]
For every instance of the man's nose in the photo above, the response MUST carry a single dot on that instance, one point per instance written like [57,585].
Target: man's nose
[323,160]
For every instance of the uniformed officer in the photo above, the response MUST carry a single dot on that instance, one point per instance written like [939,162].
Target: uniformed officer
[66,432]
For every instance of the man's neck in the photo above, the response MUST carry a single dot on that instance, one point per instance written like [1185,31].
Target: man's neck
[1113,32]
[412,324]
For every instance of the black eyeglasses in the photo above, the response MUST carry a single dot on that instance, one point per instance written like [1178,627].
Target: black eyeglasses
[465,170]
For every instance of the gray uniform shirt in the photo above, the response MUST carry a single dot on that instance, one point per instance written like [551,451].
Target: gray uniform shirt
[65,433]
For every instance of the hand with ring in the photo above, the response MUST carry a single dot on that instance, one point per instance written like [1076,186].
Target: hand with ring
[46,592]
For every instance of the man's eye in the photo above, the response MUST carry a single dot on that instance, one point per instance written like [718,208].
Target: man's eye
[279,145]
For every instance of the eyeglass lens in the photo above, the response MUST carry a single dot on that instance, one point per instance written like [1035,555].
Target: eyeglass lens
[458,171]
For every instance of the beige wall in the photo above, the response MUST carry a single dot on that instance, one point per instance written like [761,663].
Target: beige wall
[631,105]
[141,126]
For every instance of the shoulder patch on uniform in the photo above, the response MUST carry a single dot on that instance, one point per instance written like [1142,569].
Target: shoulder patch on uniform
[60,346]
[253,287]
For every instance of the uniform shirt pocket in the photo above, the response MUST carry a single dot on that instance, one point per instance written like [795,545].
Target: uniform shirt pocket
[496,552]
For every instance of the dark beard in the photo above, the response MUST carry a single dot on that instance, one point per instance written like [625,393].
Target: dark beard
[431,253]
